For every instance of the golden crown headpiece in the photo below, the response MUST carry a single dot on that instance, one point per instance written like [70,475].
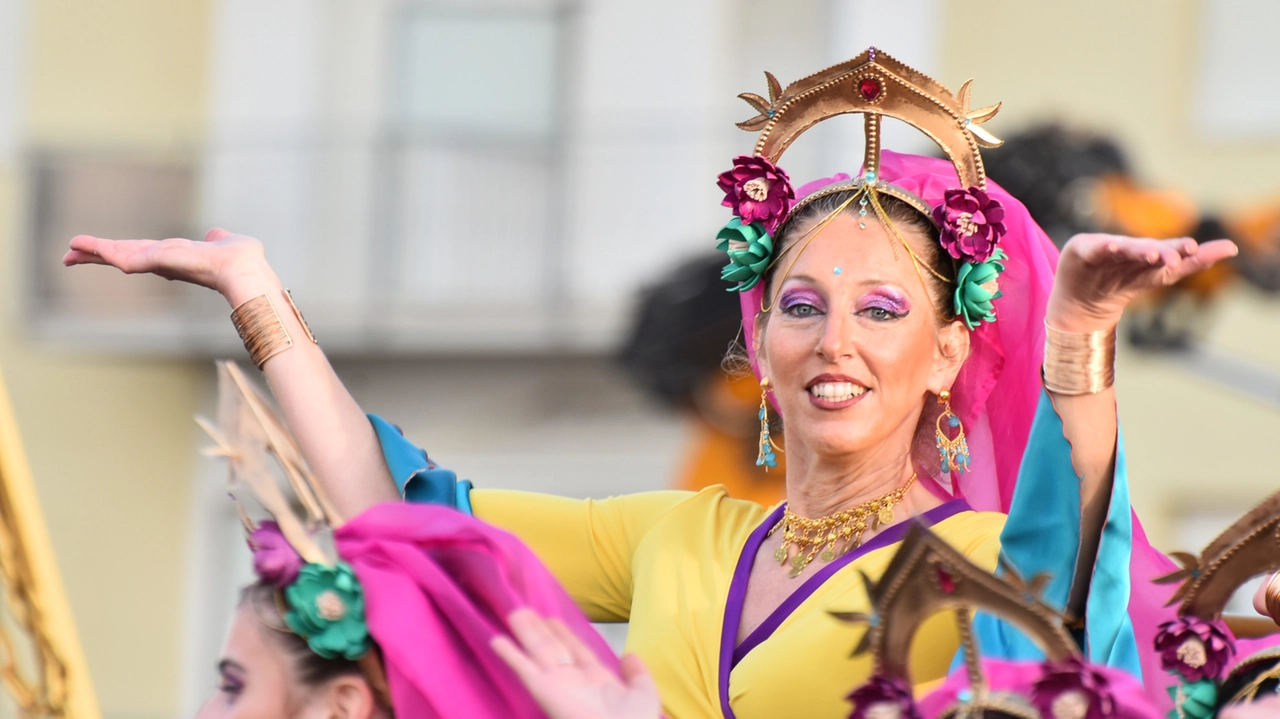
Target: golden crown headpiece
[875,85]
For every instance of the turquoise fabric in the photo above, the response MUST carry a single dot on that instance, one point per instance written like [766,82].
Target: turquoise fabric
[417,477]
[1042,536]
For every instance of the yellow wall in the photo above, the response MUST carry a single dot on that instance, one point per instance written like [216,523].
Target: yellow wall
[118,72]
[110,439]
[1129,68]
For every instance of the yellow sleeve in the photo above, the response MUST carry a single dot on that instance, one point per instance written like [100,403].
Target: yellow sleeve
[586,543]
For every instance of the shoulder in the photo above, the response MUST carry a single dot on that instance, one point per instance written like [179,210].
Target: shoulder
[709,515]
[714,505]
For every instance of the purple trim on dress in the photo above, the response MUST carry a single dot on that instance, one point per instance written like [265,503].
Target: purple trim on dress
[729,655]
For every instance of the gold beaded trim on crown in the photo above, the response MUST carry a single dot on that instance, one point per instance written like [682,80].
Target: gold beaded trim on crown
[875,85]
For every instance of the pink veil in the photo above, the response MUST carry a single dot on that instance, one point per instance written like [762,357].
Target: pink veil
[439,585]
[999,387]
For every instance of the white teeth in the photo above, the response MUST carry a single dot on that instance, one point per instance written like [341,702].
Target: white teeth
[836,391]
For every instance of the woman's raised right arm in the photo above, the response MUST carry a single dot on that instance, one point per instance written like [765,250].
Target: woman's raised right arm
[332,431]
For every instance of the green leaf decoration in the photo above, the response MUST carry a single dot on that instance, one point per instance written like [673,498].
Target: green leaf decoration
[1196,700]
[749,248]
[326,607]
[977,287]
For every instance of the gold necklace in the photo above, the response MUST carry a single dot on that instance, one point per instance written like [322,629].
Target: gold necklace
[843,529]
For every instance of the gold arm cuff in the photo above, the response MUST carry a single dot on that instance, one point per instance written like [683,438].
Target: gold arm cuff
[288,296]
[1272,596]
[1077,363]
[261,330]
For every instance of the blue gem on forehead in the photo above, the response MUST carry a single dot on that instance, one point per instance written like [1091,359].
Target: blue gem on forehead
[837,270]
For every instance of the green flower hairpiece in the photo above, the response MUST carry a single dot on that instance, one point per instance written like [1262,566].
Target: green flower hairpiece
[326,607]
[976,287]
[1194,700]
[749,247]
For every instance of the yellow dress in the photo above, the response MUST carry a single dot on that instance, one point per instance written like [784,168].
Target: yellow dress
[672,564]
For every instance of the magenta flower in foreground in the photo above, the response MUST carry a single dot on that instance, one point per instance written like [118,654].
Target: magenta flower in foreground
[883,697]
[274,559]
[971,222]
[1072,690]
[758,191]
[1194,648]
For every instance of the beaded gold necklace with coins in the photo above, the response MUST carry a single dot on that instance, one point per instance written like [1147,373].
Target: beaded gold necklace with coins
[842,531]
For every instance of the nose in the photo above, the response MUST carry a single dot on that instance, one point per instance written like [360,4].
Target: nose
[834,344]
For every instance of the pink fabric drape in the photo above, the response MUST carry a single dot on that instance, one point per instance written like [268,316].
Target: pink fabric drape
[438,586]
[1019,678]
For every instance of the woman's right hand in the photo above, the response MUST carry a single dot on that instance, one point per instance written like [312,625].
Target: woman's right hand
[567,679]
[231,264]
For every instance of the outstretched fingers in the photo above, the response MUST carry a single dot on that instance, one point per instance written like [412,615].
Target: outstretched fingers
[538,640]
[581,654]
[520,663]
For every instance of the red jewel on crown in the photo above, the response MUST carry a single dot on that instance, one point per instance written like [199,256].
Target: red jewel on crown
[869,88]
[945,581]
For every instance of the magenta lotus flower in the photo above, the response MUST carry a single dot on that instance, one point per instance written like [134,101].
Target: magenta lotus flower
[1072,689]
[971,223]
[758,191]
[883,697]
[1194,648]
[274,559]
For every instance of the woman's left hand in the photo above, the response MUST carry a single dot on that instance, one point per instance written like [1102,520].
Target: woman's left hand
[567,679]
[1098,275]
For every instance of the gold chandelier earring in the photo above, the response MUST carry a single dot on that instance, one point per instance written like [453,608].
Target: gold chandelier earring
[767,457]
[953,452]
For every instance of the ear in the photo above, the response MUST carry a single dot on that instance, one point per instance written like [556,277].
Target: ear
[351,698]
[949,356]
[757,342]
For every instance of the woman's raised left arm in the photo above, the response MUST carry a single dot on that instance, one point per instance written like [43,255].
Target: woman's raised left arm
[1098,275]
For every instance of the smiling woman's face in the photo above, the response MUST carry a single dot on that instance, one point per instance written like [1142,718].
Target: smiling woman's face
[851,355]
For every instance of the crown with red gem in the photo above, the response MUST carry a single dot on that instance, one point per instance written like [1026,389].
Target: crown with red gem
[875,85]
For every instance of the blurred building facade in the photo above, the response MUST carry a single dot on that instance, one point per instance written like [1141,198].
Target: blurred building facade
[464,198]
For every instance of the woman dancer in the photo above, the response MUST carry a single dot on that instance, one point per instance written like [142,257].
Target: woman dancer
[869,308]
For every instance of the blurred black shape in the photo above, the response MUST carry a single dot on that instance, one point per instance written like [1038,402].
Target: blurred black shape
[685,324]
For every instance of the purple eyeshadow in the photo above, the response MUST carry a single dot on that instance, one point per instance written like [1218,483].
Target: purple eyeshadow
[800,296]
[886,300]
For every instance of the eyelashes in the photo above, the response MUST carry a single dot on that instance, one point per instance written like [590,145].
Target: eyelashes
[796,298]
[877,305]
[884,302]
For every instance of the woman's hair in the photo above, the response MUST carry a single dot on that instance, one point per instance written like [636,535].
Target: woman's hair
[309,669]
[907,219]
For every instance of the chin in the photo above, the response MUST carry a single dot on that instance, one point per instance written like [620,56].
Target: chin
[834,440]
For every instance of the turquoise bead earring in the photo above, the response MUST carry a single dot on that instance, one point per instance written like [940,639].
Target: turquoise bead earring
[953,452]
[767,457]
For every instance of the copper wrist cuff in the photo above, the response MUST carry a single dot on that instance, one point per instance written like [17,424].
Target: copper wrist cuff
[261,330]
[1077,363]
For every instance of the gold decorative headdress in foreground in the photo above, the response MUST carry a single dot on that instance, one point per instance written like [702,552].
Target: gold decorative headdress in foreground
[42,667]
[320,597]
[1196,646]
[927,576]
